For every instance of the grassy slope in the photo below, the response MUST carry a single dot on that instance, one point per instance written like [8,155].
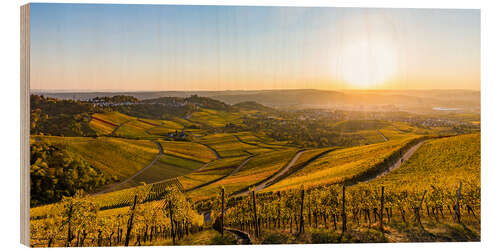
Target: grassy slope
[114,156]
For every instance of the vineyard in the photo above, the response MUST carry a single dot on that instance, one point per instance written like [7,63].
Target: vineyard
[210,177]
[400,206]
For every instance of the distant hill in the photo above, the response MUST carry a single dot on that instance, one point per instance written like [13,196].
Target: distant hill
[251,105]
[310,98]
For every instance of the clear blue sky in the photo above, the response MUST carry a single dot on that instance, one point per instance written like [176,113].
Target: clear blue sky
[166,47]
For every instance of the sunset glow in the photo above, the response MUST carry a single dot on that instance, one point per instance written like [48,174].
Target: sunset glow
[367,63]
[166,47]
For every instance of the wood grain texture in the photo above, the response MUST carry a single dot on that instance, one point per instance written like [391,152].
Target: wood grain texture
[25,112]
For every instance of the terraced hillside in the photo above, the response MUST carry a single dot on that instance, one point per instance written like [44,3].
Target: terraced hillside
[107,123]
[227,145]
[343,165]
[212,172]
[438,162]
[136,129]
[188,150]
[116,157]
[257,168]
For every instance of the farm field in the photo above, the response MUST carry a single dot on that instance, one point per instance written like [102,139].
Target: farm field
[223,150]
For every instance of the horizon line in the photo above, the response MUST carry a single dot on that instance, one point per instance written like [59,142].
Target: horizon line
[229,90]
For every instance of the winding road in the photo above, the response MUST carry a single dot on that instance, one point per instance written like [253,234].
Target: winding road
[278,174]
[273,177]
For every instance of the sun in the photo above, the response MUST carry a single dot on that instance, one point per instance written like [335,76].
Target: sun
[366,63]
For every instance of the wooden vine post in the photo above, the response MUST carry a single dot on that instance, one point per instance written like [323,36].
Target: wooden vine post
[279,209]
[301,227]
[344,217]
[457,205]
[70,234]
[222,213]
[172,231]
[417,214]
[130,222]
[382,211]
[255,215]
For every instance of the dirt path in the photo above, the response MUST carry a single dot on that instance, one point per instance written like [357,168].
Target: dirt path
[242,237]
[279,173]
[380,133]
[396,164]
[275,176]
[110,188]
[223,177]
[213,150]
[119,126]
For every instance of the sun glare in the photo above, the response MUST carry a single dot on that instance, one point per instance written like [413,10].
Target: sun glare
[366,63]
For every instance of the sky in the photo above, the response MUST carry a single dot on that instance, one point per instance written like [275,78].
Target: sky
[173,47]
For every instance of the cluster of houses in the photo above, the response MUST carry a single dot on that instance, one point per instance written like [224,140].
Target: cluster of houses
[177,135]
